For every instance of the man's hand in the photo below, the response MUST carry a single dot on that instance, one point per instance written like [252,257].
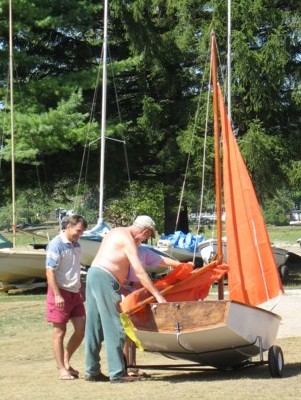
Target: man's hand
[59,301]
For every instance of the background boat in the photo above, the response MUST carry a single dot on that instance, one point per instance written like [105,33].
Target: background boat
[17,264]
[207,249]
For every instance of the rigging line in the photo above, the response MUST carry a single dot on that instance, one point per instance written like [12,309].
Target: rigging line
[204,161]
[127,162]
[124,150]
[191,147]
[86,153]
[205,138]
[5,105]
[120,120]
[87,147]
[222,79]
[114,85]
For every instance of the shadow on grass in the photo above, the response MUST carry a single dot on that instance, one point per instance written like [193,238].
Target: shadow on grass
[211,374]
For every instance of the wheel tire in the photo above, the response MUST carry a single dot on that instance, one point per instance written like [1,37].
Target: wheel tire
[276,361]
[284,271]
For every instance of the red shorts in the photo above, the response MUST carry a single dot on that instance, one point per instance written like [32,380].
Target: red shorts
[74,307]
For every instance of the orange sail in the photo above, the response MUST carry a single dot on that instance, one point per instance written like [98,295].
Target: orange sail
[253,276]
[183,284]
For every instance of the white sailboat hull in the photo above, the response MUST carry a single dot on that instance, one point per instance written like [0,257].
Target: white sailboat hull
[216,333]
[89,248]
[20,265]
[207,249]
[204,251]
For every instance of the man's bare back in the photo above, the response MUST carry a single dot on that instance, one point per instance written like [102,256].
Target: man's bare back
[119,250]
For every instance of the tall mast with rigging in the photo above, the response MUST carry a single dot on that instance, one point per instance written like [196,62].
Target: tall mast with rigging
[11,90]
[103,110]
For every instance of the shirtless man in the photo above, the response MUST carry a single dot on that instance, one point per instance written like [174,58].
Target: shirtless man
[109,270]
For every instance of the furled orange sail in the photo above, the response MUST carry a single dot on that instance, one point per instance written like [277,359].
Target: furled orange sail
[183,284]
[253,277]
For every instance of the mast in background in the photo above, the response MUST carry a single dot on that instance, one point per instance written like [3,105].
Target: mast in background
[11,90]
[103,111]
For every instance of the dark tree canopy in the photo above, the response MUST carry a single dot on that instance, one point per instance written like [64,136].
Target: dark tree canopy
[157,82]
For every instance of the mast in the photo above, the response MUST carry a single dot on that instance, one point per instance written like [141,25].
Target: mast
[217,157]
[11,88]
[103,110]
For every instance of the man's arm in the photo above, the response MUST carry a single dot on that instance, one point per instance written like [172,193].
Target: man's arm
[132,254]
[169,262]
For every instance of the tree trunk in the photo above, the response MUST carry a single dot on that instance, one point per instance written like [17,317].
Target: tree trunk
[170,211]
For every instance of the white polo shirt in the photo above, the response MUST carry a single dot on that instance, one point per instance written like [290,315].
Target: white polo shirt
[63,257]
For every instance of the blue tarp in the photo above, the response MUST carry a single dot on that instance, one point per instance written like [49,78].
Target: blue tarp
[184,241]
[5,243]
[97,232]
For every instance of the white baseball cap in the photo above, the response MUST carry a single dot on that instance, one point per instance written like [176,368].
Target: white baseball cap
[144,221]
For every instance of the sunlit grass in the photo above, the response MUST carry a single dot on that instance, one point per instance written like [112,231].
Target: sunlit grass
[28,370]
[288,234]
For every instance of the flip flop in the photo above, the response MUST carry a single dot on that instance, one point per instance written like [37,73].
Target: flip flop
[138,373]
[66,377]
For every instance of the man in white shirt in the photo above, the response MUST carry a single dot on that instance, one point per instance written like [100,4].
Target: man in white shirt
[65,294]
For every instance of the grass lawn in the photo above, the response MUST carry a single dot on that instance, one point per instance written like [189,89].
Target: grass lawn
[288,234]
[28,372]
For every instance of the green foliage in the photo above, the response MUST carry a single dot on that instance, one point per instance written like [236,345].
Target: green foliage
[160,59]
[140,199]
[87,203]
[274,213]
[294,173]
[264,154]
[32,206]
[5,217]
[121,210]
[45,133]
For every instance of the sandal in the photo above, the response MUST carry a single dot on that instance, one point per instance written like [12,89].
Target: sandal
[138,373]
[66,377]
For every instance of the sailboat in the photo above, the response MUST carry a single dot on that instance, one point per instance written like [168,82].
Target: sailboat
[224,333]
[18,264]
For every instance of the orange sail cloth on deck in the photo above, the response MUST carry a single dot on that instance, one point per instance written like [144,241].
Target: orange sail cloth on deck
[253,277]
[183,284]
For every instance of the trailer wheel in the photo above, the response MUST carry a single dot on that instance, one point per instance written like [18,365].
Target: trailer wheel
[284,272]
[275,361]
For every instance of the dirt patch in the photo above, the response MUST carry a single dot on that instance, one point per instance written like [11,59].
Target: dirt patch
[288,308]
